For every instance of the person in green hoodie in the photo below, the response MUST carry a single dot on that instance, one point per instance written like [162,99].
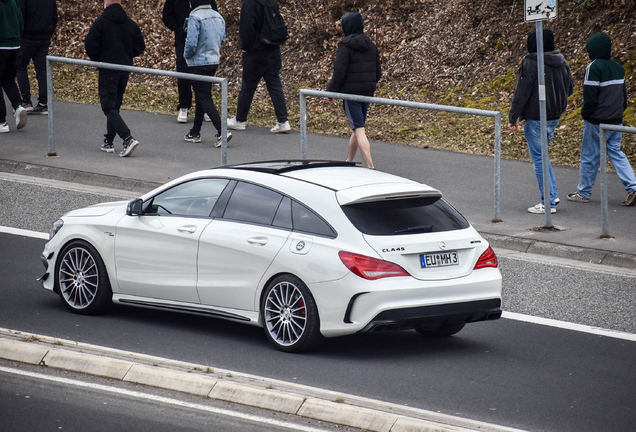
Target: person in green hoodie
[604,101]
[11,27]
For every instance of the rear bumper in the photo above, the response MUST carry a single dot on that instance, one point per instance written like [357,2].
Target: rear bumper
[434,316]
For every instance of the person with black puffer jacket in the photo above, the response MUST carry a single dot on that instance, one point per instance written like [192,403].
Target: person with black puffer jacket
[357,71]
[114,38]
[40,20]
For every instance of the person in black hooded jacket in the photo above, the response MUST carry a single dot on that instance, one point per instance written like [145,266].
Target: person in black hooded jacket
[357,70]
[174,14]
[114,38]
[525,106]
[40,20]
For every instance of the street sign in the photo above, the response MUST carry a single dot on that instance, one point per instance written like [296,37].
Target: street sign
[540,10]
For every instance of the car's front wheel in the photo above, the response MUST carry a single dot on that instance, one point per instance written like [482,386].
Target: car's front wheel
[82,281]
[290,314]
[445,330]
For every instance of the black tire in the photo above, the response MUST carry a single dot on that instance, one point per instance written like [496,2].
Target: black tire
[81,279]
[290,315]
[444,330]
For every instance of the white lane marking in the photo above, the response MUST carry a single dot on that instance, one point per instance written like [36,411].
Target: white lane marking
[570,326]
[23,232]
[77,187]
[162,399]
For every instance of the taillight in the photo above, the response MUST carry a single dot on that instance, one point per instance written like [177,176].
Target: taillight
[370,268]
[487,259]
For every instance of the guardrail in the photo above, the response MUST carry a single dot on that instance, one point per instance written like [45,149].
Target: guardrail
[49,87]
[603,160]
[408,104]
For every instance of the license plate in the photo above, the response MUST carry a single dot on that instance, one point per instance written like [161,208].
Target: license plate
[439,259]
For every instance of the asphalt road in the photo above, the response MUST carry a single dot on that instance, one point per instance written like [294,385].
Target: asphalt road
[506,372]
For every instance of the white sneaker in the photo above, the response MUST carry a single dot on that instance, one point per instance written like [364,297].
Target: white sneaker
[540,209]
[4,128]
[281,127]
[20,117]
[183,115]
[233,123]
[206,117]
[218,142]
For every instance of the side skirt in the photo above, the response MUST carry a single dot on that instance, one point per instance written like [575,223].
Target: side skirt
[247,317]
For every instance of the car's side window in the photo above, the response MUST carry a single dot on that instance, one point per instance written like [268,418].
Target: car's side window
[283,217]
[252,203]
[193,198]
[306,220]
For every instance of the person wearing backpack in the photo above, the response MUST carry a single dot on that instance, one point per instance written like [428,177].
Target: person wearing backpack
[261,59]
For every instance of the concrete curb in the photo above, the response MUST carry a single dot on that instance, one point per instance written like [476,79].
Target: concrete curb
[244,389]
[589,255]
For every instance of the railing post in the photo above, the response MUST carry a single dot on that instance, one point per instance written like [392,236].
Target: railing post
[303,125]
[603,168]
[51,98]
[497,217]
[224,122]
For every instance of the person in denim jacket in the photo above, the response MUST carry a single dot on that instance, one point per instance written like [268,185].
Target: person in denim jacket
[206,33]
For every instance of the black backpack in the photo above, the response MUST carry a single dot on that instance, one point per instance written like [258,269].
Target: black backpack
[274,31]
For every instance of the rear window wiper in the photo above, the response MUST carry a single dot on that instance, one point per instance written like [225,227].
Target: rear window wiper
[419,228]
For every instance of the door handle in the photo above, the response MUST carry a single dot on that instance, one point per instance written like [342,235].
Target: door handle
[257,240]
[187,228]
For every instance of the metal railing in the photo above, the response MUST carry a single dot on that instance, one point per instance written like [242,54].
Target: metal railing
[408,104]
[49,87]
[603,160]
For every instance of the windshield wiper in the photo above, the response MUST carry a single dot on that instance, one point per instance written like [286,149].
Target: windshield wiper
[419,228]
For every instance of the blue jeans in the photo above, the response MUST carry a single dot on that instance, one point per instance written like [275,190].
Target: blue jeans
[591,155]
[532,132]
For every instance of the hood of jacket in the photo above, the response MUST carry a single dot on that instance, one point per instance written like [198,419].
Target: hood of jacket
[548,41]
[115,13]
[352,24]
[357,42]
[599,45]
[552,59]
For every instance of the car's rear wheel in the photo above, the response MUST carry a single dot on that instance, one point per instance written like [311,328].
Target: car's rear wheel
[291,317]
[444,330]
[82,281]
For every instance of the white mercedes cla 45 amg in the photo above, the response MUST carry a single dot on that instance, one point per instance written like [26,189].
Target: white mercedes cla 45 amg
[305,249]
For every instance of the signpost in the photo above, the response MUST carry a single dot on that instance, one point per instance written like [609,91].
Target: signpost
[539,11]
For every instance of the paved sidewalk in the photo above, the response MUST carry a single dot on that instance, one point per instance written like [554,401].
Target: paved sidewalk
[466,180]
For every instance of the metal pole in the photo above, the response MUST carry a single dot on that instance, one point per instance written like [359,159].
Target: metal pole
[497,217]
[547,199]
[51,98]
[603,168]
[303,125]
[224,122]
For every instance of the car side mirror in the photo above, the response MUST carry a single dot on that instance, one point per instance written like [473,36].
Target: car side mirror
[135,207]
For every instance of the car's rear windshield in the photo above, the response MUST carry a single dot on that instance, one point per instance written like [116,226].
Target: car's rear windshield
[405,216]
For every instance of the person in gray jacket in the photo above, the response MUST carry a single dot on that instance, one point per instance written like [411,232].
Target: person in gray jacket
[202,52]
[525,106]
